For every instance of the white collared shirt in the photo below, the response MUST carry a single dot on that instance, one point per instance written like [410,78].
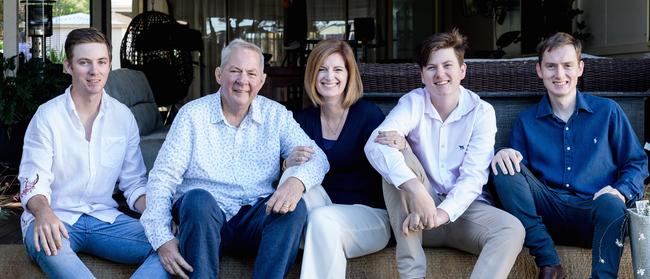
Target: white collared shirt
[237,165]
[455,154]
[75,175]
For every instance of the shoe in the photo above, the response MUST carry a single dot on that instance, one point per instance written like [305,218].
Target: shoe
[551,272]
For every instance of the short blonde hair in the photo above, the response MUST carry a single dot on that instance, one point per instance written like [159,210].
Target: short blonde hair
[353,89]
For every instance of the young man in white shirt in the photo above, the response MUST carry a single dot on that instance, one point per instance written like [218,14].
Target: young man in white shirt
[77,146]
[434,196]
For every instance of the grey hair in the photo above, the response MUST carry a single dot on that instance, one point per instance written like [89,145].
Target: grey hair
[239,43]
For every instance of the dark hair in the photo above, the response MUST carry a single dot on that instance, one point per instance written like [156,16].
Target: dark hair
[438,41]
[82,36]
[322,50]
[557,40]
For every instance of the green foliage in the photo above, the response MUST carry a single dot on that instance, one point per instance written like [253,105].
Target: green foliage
[66,7]
[23,89]
[56,58]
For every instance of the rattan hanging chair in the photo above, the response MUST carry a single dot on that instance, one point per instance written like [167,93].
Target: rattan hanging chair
[149,46]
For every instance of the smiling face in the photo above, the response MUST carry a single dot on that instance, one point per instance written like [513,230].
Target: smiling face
[442,73]
[89,67]
[560,69]
[332,77]
[241,78]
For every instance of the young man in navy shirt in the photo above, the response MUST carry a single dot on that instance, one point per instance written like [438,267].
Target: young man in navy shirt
[573,165]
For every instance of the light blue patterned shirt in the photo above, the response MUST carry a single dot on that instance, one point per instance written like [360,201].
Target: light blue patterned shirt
[236,165]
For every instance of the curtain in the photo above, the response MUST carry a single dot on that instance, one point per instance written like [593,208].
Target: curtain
[259,22]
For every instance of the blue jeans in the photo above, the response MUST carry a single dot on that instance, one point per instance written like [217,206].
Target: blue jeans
[123,241]
[204,232]
[556,215]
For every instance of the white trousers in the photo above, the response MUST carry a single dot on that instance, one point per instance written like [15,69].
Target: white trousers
[336,232]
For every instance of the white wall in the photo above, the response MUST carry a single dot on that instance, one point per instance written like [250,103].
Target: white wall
[616,26]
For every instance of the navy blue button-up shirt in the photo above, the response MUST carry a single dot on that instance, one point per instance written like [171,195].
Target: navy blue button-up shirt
[595,148]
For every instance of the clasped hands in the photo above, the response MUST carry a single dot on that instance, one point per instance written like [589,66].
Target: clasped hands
[422,211]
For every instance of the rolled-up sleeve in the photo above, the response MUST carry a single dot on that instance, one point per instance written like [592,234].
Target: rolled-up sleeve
[36,165]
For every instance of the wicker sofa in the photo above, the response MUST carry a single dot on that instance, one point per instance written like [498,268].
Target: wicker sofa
[509,86]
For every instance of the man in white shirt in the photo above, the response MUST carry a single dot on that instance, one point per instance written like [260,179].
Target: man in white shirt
[434,193]
[77,146]
[214,177]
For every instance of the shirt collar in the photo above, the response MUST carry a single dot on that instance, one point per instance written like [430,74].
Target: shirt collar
[544,107]
[217,116]
[466,103]
[72,110]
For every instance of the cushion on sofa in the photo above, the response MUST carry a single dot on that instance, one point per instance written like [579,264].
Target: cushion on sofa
[442,263]
[131,88]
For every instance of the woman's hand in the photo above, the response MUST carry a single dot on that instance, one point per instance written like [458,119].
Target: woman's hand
[392,139]
[299,155]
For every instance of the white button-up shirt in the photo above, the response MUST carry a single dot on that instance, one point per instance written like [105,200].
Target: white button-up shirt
[75,175]
[236,165]
[455,154]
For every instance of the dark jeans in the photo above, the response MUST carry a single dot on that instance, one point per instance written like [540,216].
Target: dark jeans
[204,233]
[551,214]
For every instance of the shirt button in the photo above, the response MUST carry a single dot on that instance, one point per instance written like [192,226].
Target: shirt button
[567,185]
[442,166]
[568,148]
[566,128]
[442,146]
[568,168]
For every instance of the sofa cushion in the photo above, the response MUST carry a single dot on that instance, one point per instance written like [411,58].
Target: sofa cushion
[150,145]
[442,263]
[131,88]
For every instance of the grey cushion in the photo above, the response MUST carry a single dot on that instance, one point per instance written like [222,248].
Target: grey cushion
[131,88]
[150,145]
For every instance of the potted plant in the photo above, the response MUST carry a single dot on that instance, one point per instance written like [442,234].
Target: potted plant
[22,90]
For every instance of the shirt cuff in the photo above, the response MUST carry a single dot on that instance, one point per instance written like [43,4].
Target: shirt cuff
[29,191]
[452,209]
[402,174]
[134,197]
[162,240]
[630,196]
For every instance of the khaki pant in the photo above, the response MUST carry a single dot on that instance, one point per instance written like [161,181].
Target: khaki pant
[492,234]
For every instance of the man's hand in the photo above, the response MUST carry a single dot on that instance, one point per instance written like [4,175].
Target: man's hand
[609,190]
[141,203]
[441,217]
[421,207]
[172,260]
[286,197]
[411,224]
[48,229]
[299,155]
[508,160]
